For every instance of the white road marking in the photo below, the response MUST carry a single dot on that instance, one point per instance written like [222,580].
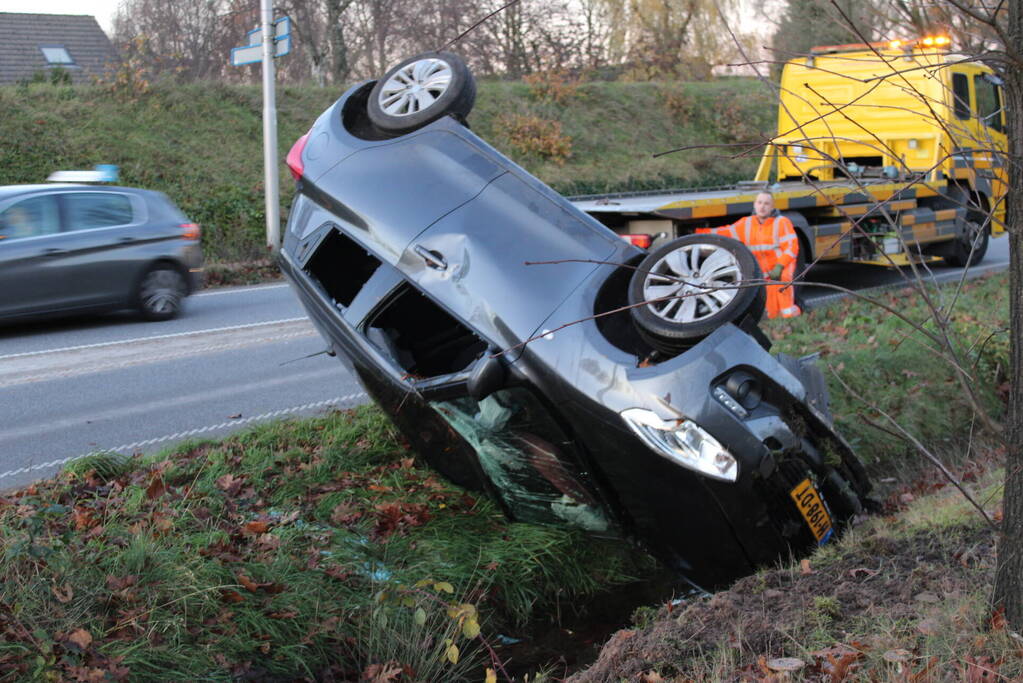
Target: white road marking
[122,413]
[64,372]
[135,340]
[188,433]
[238,290]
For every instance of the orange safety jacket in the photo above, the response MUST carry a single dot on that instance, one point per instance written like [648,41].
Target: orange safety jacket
[773,242]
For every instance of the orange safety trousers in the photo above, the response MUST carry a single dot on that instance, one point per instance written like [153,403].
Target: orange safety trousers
[772,241]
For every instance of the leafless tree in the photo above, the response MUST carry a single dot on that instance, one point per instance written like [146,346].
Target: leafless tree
[186,36]
[990,31]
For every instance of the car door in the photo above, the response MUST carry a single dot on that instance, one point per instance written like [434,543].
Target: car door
[31,255]
[992,171]
[101,237]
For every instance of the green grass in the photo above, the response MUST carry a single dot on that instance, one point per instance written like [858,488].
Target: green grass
[201,143]
[296,549]
[883,360]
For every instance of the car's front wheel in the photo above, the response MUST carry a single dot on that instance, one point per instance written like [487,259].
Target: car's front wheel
[421,90]
[690,286]
[161,292]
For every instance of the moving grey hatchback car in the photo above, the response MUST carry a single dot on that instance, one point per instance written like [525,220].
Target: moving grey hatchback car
[68,249]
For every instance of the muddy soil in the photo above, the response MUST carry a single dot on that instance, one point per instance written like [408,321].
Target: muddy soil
[571,640]
[894,580]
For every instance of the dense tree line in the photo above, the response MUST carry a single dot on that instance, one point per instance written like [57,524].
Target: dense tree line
[337,41]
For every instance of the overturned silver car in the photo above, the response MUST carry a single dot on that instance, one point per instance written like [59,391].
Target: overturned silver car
[527,351]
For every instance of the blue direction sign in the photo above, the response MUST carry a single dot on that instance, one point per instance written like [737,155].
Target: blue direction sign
[253,52]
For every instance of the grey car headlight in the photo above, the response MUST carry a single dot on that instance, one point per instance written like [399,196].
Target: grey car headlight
[683,441]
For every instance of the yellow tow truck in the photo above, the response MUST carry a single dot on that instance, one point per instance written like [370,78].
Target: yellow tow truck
[885,153]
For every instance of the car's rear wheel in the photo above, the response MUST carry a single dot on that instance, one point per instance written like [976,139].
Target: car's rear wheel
[421,90]
[690,286]
[161,292]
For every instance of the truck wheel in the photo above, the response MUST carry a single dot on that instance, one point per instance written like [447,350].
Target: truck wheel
[690,286]
[421,90]
[970,248]
[958,251]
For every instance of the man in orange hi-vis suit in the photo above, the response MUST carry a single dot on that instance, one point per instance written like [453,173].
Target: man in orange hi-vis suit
[773,241]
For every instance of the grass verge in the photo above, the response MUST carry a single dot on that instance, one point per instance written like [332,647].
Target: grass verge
[317,549]
[200,143]
[312,549]
[896,369]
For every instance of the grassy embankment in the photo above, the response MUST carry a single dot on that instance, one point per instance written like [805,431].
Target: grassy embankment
[201,144]
[318,547]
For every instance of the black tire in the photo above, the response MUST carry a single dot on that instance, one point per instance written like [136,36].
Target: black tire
[971,247]
[672,323]
[161,292]
[448,85]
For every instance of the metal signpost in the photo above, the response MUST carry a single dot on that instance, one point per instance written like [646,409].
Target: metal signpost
[272,39]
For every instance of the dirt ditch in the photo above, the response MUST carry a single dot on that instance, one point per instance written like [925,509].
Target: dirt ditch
[912,582]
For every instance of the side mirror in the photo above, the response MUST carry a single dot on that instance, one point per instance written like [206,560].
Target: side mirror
[487,377]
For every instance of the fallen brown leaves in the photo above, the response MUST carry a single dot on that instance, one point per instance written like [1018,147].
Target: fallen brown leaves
[396,516]
[80,638]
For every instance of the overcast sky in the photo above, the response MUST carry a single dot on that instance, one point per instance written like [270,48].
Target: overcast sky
[103,10]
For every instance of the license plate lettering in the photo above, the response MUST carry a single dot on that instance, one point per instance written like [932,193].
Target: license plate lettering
[812,509]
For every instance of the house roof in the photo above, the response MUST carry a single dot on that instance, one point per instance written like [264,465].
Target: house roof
[23,36]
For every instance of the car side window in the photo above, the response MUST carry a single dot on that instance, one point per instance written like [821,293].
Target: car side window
[88,210]
[32,217]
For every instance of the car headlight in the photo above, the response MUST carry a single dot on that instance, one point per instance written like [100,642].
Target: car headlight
[683,441]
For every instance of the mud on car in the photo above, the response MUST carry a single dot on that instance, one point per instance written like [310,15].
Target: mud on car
[527,351]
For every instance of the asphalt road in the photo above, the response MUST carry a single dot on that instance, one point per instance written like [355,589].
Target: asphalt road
[860,277]
[236,357]
[73,387]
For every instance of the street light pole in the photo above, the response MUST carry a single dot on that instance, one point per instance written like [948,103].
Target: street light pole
[273,222]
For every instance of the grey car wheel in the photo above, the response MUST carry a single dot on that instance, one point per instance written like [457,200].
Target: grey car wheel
[421,90]
[161,292]
[687,288]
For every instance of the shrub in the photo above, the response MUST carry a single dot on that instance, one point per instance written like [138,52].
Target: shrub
[554,86]
[535,136]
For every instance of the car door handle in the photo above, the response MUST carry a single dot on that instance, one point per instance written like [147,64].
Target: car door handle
[52,252]
[433,259]
[126,240]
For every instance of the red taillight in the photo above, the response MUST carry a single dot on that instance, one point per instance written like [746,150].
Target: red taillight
[190,231]
[294,158]
[641,241]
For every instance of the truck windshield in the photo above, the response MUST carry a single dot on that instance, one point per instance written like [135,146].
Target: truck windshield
[989,105]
